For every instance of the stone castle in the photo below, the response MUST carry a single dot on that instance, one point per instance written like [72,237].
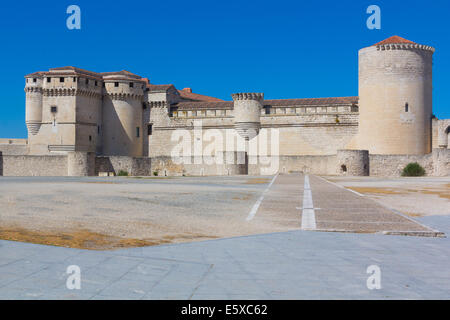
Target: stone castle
[85,123]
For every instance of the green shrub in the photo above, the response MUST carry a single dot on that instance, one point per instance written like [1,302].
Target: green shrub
[155,173]
[413,169]
[122,173]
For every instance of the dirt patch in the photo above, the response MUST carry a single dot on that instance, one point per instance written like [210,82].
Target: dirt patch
[85,239]
[440,193]
[374,190]
[413,214]
[257,181]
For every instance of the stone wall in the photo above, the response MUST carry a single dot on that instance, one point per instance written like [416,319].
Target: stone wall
[133,166]
[14,146]
[25,165]
[227,163]
[392,165]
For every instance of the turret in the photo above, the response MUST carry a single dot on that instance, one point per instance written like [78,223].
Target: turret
[395,97]
[247,112]
[33,105]
[122,114]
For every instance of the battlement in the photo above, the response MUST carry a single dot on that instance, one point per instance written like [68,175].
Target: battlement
[258,96]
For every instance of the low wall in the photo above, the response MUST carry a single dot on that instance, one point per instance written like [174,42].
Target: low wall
[229,163]
[392,165]
[13,165]
[133,166]
[13,146]
[325,165]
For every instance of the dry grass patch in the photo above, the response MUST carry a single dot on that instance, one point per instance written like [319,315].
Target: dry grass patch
[375,190]
[85,239]
[257,181]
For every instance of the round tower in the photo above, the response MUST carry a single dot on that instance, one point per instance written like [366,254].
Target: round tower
[33,104]
[247,112]
[122,114]
[395,97]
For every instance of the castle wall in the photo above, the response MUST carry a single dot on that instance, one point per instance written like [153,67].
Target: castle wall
[114,164]
[43,165]
[14,146]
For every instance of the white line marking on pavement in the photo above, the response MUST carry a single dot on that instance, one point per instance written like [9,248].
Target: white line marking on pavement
[342,187]
[255,207]
[308,215]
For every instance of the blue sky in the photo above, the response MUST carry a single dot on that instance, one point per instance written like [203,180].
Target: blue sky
[286,49]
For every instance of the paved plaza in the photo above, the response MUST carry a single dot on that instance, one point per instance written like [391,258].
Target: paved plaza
[291,261]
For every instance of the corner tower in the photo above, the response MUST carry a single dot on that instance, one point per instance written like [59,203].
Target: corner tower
[395,97]
[122,114]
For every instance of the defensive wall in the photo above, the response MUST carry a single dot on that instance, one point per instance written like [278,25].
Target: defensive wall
[344,162]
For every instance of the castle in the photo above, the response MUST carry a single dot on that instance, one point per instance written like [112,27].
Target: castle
[85,123]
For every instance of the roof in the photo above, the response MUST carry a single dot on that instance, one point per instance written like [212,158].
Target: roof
[194,105]
[198,97]
[394,39]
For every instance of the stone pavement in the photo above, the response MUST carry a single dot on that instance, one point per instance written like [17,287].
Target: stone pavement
[287,265]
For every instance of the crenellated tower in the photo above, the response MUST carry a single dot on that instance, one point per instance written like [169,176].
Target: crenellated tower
[247,112]
[395,97]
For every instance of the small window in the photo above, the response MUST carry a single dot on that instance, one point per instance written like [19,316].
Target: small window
[49,79]
[137,132]
[61,79]
[267,109]
[344,168]
[74,79]
[103,84]
[87,81]
[116,84]
[53,109]
[406,107]
[98,129]
[149,129]
[144,105]
[131,84]
[90,138]
[95,83]
[34,79]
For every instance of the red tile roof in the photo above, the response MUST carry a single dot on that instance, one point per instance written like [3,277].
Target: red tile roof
[195,105]
[197,97]
[394,39]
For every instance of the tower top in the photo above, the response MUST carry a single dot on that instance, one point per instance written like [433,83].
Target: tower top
[398,43]
[394,40]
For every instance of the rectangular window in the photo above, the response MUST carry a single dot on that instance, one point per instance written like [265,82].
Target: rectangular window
[49,79]
[267,109]
[61,79]
[95,83]
[34,79]
[149,130]
[53,109]
[98,129]
[131,84]
[74,79]
[406,107]
[116,84]
[137,132]
[87,81]
[90,138]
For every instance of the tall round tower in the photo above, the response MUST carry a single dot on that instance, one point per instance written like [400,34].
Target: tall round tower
[33,104]
[122,114]
[395,97]
[247,112]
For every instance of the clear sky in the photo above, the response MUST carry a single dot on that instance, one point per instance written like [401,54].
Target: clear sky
[286,49]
